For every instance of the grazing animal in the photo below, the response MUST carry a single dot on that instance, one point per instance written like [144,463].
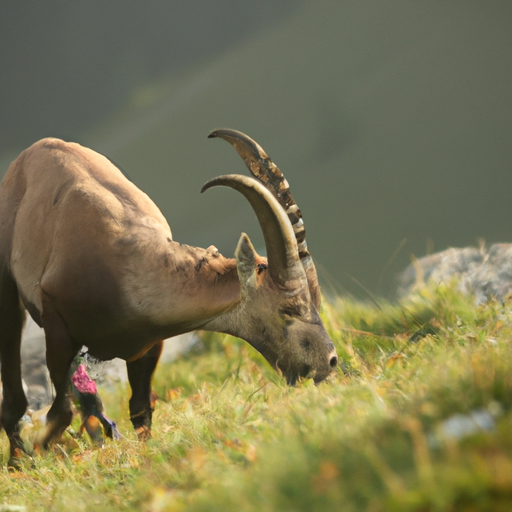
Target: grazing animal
[93,261]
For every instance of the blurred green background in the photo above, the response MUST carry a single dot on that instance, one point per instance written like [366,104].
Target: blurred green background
[391,120]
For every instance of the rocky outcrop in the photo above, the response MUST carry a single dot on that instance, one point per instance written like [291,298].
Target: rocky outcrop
[486,273]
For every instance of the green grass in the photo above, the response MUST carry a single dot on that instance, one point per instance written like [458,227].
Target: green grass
[392,431]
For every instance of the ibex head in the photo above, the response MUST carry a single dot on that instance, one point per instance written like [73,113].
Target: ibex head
[280,296]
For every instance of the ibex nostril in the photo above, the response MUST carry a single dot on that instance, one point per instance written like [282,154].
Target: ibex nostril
[333,362]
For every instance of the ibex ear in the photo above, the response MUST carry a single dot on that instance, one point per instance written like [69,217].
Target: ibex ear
[246,263]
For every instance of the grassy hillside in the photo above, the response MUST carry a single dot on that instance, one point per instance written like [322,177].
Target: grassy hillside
[419,420]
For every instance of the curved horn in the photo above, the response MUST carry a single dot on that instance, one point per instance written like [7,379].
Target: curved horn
[261,167]
[283,261]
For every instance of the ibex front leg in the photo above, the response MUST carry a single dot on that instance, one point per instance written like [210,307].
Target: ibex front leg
[140,373]
[60,352]
[14,403]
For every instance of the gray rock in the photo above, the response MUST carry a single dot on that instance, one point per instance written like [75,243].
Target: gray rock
[486,273]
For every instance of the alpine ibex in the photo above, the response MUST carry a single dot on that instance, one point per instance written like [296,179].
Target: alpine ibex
[93,261]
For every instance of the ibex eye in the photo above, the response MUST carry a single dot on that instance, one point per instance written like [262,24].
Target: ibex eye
[290,311]
[261,267]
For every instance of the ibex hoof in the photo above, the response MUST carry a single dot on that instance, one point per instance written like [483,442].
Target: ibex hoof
[19,457]
[143,433]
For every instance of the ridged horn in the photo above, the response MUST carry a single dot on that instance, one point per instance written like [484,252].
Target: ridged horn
[283,260]
[266,171]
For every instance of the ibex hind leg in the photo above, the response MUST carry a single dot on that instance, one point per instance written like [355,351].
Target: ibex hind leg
[14,403]
[60,352]
[140,373]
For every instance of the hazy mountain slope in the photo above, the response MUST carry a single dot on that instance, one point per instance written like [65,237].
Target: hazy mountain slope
[67,64]
[390,120]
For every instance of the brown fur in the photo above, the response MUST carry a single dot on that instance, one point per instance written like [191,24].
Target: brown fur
[92,259]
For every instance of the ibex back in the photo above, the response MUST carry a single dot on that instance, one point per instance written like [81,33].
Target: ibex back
[93,261]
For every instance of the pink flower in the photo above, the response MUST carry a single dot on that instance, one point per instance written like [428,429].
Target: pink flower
[83,383]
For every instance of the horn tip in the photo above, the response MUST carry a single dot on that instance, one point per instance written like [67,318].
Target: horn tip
[227,180]
[206,186]
[224,133]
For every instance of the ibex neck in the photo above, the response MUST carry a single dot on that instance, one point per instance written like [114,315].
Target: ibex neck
[181,288]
